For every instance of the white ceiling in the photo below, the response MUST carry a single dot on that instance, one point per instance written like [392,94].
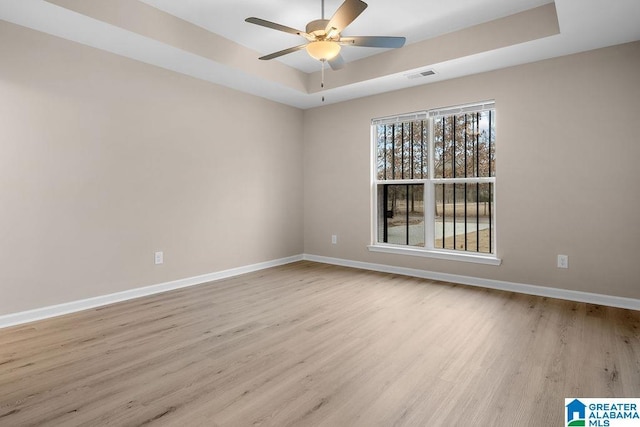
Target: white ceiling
[584,25]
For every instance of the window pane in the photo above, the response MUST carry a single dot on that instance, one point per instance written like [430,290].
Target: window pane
[398,151]
[402,151]
[440,148]
[486,143]
[464,145]
[464,217]
[420,150]
[401,214]
[480,144]
[381,151]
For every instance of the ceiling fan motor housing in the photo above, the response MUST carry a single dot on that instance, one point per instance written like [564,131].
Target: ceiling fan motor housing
[317,28]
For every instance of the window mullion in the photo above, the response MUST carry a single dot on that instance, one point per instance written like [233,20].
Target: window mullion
[429,214]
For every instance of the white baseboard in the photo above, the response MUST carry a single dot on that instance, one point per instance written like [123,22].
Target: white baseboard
[608,300]
[75,306]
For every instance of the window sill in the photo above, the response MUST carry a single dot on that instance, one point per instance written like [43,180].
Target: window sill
[447,255]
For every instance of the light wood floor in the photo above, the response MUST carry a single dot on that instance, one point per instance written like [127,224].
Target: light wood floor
[309,344]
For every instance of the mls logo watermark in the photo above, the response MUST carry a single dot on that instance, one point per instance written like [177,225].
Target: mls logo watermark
[610,412]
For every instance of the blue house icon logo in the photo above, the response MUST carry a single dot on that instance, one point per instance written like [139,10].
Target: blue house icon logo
[576,413]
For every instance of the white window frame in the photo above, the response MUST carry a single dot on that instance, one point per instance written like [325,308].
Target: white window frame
[429,188]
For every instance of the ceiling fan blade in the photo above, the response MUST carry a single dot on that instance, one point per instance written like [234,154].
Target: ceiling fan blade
[346,13]
[373,41]
[274,26]
[337,63]
[283,52]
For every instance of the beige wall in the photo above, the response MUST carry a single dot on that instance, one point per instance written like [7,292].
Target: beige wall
[568,150]
[104,160]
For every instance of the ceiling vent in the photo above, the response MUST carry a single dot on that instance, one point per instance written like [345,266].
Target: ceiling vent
[421,74]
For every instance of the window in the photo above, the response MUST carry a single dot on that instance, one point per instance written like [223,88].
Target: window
[434,183]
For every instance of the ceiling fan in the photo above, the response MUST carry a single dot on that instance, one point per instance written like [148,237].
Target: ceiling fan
[324,39]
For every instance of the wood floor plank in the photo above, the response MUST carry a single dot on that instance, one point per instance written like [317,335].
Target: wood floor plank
[310,344]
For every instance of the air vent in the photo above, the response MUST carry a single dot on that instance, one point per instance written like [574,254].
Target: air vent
[421,74]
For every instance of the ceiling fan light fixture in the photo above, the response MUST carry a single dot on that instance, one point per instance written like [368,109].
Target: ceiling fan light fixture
[323,50]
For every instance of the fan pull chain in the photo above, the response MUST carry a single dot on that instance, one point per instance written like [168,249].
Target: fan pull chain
[322,80]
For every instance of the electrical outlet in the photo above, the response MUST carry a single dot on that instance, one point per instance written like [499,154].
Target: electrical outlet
[159,257]
[334,239]
[563,261]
